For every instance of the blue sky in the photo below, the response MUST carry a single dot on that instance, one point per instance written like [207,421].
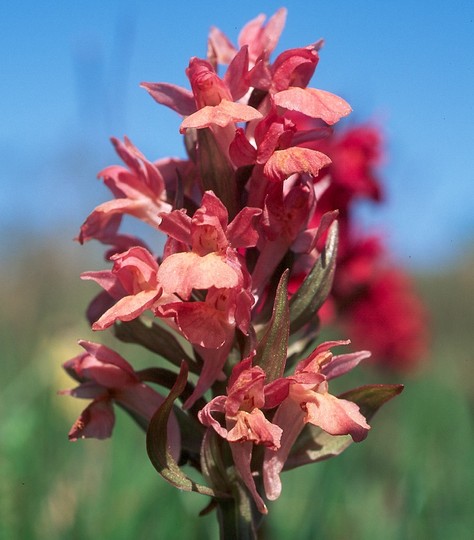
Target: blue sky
[71,74]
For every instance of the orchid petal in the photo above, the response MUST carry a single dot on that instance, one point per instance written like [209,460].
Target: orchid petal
[260,38]
[127,308]
[206,417]
[314,103]
[242,230]
[202,324]
[108,281]
[284,163]
[253,426]
[241,151]
[242,456]
[180,273]
[176,224]
[236,76]
[341,364]
[294,67]
[223,114]
[289,417]
[105,355]
[220,47]
[336,416]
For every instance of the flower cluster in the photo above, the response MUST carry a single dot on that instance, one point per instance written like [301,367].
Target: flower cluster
[251,222]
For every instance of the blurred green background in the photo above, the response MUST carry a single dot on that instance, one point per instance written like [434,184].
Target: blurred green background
[412,478]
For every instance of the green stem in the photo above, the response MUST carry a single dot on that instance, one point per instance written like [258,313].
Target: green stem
[237,516]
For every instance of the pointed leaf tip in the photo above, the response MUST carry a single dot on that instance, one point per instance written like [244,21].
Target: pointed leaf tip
[314,290]
[371,397]
[273,348]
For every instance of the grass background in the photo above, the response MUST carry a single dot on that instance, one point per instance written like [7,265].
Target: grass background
[412,478]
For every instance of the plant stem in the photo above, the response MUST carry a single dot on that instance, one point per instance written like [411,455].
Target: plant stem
[237,516]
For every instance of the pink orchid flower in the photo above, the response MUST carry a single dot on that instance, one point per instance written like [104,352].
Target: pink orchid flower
[216,108]
[286,82]
[132,282]
[106,377]
[211,323]
[275,152]
[209,257]
[139,191]
[214,99]
[209,261]
[307,400]
[245,423]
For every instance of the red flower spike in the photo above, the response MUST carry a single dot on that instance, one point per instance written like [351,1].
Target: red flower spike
[261,153]
[389,318]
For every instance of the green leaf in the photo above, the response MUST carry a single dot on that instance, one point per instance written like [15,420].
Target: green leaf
[156,339]
[217,173]
[272,349]
[314,290]
[157,444]
[372,396]
[314,444]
